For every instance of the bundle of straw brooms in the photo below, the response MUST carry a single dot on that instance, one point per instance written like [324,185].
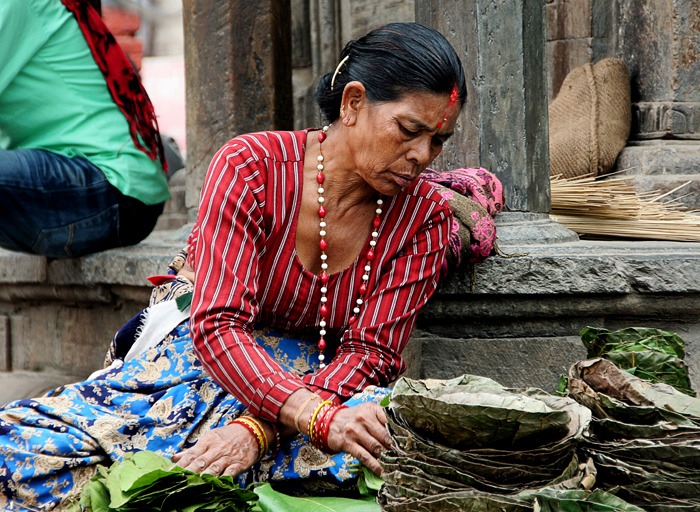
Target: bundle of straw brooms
[611,208]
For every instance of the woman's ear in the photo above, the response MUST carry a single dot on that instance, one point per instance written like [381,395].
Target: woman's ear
[354,99]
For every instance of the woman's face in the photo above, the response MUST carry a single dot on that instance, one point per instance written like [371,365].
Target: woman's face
[395,141]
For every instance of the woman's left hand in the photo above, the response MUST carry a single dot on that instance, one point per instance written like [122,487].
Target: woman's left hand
[228,450]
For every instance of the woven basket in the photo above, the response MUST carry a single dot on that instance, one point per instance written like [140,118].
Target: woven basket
[589,120]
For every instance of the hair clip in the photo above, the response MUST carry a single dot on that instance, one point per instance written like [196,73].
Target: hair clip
[337,70]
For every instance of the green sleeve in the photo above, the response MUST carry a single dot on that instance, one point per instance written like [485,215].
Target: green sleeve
[21,37]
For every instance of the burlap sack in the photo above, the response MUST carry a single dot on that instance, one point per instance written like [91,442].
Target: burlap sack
[589,120]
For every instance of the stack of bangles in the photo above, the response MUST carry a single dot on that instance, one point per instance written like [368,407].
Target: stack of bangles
[320,423]
[254,426]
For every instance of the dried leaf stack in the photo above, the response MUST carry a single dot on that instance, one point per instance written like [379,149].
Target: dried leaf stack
[645,439]
[469,444]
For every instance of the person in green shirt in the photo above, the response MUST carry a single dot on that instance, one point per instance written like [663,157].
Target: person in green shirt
[82,166]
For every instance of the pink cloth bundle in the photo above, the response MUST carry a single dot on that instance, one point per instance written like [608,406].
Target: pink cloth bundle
[476,197]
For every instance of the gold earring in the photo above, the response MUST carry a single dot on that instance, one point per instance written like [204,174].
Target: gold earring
[342,111]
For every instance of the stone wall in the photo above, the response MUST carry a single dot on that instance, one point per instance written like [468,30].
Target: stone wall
[520,321]
[517,322]
[569,38]
[659,40]
[57,318]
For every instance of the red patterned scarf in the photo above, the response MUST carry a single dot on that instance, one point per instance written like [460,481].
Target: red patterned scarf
[122,80]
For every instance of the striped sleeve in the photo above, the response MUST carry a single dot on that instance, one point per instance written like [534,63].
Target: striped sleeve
[370,351]
[230,238]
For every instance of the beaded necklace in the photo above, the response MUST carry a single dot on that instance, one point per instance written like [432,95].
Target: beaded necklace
[323,245]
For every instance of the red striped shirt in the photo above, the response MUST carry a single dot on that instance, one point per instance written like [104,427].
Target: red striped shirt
[248,274]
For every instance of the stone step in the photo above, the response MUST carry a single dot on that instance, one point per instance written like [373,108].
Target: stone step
[24,384]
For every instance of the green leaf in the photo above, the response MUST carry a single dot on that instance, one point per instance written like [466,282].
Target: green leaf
[123,476]
[651,354]
[368,482]
[273,501]
[95,497]
[562,385]
[599,341]
[386,401]
[582,501]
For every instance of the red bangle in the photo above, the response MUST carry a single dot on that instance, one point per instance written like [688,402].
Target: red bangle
[328,418]
[322,427]
[313,422]
[256,429]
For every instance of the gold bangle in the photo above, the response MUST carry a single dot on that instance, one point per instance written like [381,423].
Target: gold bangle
[261,432]
[318,409]
[300,410]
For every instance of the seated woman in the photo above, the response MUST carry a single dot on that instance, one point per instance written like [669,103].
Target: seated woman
[312,254]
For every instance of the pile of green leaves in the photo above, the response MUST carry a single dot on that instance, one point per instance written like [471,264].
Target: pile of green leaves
[145,481]
[581,501]
[650,354]
[546,500]
[477,412]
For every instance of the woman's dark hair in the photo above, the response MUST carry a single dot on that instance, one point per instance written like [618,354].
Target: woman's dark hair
[392,60]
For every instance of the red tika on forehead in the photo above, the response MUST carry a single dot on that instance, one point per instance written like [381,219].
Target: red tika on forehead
[454,96]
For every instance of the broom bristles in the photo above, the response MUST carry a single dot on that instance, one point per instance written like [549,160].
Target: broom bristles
[612,207]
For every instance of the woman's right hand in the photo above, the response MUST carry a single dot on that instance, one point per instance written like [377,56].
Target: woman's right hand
[361,431]
[228,450]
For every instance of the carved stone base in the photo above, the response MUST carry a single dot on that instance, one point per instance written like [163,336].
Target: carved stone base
[519,228]
[663,165]
[653,120]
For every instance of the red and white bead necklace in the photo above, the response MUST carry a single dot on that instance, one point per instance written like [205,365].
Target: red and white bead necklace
[323,245]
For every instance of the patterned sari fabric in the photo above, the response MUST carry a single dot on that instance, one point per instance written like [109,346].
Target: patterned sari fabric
[161,400]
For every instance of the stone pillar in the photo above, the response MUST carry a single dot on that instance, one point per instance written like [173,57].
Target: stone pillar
[660,42]
[238,76]
[302,66]
[569,38]
[503,126]
[320,30]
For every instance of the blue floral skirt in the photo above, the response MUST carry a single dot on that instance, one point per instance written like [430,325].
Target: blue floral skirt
[161,400]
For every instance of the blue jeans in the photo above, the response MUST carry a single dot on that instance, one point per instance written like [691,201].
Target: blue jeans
[64,207]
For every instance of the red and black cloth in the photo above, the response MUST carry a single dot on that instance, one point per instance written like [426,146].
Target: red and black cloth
[122,80]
